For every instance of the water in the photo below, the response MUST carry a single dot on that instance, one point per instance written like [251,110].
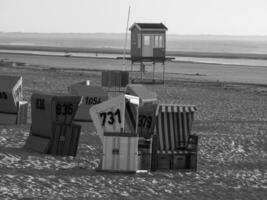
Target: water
[224,61]
[212,44]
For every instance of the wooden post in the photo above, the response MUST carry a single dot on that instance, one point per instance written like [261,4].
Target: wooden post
[131,74]
[141,65]
[125,42]
[153,72]
[163,72]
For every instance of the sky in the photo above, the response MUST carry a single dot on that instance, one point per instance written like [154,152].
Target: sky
[194,17]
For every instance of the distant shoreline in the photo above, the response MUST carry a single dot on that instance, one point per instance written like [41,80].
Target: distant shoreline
[120,51]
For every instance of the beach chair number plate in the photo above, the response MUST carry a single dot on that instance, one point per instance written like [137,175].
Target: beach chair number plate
[110,117]
[40,104]
[145,121]
[64,109]
[3,95]
[92,100]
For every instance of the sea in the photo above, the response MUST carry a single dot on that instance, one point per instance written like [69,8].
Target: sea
[240,46]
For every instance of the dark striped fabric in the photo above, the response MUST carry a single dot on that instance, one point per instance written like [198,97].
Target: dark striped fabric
[131,116]
[173,126]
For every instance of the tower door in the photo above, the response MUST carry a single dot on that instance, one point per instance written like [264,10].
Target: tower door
[147,46]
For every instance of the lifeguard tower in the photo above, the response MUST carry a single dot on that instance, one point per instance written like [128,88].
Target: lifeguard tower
[148,47]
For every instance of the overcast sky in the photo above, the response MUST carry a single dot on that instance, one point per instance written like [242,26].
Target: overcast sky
[231,17]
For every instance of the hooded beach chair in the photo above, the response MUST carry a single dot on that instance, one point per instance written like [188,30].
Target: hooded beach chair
[12,109]
[91,94]
[146,122]
[52,130]
[116,123]
[147,108]
[176,146]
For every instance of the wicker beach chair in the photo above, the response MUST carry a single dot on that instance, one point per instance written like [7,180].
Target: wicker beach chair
[52,130]
[176,146]
[13,110]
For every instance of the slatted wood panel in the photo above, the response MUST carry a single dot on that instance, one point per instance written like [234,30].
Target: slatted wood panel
[115,78]
[65,139]
[120,153]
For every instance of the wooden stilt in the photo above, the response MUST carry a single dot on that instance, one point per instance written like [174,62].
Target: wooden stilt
[141,70]
[153,71]
[131,74]
[163,72]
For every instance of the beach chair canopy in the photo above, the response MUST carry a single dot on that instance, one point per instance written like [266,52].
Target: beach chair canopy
[173,126]
[10,93]
[119,114]
[49,108]
[92,95]
[142,92]
[147,108]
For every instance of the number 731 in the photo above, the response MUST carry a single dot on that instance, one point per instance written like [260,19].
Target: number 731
[110,117]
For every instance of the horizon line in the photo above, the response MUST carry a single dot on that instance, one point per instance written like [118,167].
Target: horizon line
[121,33]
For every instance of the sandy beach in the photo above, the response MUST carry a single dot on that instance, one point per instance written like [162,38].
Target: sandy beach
[203,71]
[231,121]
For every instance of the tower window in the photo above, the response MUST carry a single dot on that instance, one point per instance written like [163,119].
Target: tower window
[147,40]
[159,41]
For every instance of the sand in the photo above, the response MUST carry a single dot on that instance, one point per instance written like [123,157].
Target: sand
[231,121]
[204,71]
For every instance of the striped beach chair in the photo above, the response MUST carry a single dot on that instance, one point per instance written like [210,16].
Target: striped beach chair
[176,146]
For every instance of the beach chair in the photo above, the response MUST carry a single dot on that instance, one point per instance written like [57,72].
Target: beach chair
[13,110]
[52,130]
[176,146]
[116,123]
[146,122]
[147,108]
[92,95]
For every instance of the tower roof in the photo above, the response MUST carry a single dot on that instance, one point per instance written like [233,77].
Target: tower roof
[149,26]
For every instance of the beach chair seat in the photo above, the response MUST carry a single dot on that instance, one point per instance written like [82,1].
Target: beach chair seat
[64,140]
[12,109]
[177,147]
